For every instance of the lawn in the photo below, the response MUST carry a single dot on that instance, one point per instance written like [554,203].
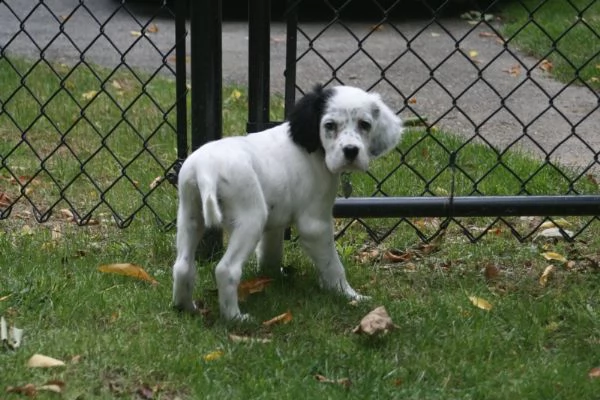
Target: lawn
[567,33]
[535,336]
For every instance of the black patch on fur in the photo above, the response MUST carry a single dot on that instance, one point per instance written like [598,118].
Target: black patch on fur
[305,118]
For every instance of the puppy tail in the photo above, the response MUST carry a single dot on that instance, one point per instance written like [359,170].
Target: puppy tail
[210,206]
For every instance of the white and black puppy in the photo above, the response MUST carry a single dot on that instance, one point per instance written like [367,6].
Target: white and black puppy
[257,185]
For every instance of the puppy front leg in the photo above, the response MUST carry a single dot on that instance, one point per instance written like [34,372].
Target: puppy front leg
[316,237]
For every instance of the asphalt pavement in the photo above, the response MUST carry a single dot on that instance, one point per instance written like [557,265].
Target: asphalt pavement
[453,74]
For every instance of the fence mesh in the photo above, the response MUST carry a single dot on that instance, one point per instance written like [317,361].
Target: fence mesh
[502,104]
[87,118]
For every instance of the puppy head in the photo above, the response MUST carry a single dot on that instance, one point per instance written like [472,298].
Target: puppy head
[351,126]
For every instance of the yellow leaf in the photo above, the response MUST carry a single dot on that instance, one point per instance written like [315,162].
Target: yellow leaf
[480,303]
[213,355]
[248,339]
[41,361]
[280,319]
[546,275]
[473,53]
[116,84]
[553,256]
[257,285]
[89,95]
[236,94]
[136,33]
[546,66]
[5,297]
[128,270]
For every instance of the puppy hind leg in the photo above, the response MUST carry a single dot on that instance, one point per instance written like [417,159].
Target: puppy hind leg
[242,241]
[190,227]
[269,252]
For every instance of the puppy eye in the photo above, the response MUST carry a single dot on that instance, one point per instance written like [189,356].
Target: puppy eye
[364,125]
[330,125]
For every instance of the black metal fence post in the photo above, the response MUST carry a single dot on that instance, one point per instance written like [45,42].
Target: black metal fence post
[259,36]
[206,74]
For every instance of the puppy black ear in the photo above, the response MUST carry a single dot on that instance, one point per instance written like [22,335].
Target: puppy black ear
[305,118]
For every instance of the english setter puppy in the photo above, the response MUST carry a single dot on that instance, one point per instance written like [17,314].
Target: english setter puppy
[255,186]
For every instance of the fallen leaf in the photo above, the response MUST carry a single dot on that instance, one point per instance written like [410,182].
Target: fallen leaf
[555,233]
[156,182]
[553,256]
[594,373]
[116,84]
[89,94]
[213,355]
[345,382]
[412,100]
[64,18]
[27,390]
[236,94]
[5,201]
[5,297]
[367,256]
[76,359]
[252,286]
[41,361]
[473,53]
[546,275]
[398,256]
[284,318]
[480,303]
[136,33]
[248,339]
[54,386]
[127,269]
[488,35]
[546,66]
[491,272]
[376,322]
[145,392]
[435,34]
[514,70]
[152,28]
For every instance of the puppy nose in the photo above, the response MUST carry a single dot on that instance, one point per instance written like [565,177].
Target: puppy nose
[350,152]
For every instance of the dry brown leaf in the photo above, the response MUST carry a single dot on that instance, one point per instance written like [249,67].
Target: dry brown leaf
[491,272]
[368,256]
[5,201]
[546,66]
[488,34]
[377,322]
[553,256]
[546,275]
[127,269]
[42,361]
[398,256]
[252,286]
[480,303]
[412,100]
[248,339]
[284,318]
[514,70]
[28,390]
[594,373]
[76,359]
[145,392]
[345,382]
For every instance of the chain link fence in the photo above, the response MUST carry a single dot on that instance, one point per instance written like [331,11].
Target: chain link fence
[88,103]
[93,117]
[501,103]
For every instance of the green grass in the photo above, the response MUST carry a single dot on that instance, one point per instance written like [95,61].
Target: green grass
[536,342]
[568,35]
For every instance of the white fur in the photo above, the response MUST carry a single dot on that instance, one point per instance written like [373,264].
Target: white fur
[257,185]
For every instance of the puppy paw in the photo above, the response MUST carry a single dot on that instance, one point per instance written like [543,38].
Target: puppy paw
[360,298]
[187,308]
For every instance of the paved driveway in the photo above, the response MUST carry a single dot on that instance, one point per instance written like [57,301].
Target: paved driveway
[463,93]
